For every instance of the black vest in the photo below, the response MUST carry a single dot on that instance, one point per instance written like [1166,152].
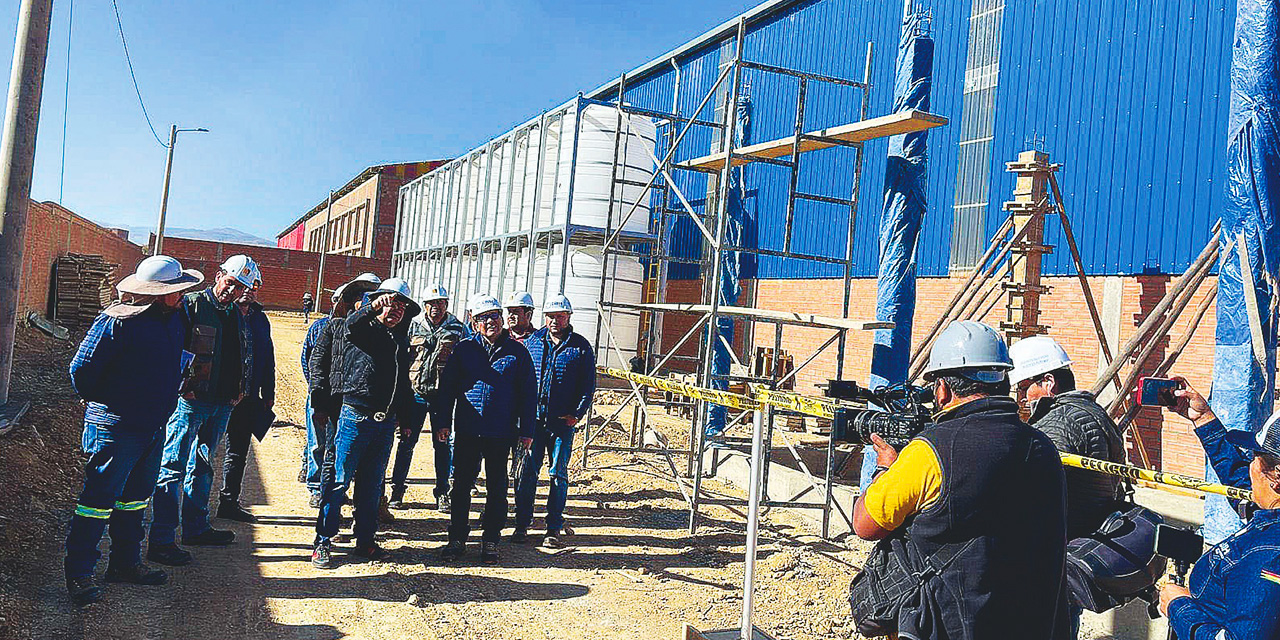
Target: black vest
[1003,488]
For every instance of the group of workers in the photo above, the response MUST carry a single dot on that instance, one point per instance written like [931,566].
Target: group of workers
[983,502]
[165,372]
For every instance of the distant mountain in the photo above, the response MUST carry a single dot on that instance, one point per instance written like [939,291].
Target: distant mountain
[139,235]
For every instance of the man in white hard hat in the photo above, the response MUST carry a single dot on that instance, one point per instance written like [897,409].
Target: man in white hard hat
[375,395]
[518,315]
[432,342]
[565,366]
[321,349]
[253,414]
[980,495]
[127,370]
[218,378]
[487,394]
[1046,389]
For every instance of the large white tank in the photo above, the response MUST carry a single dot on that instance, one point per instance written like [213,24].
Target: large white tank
[582,287]
[594,175]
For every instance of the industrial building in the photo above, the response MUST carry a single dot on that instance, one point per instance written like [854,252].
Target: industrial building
[1138,140]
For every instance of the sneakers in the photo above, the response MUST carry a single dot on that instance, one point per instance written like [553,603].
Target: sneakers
[397,499]
[384,515]
[520,536]
[84,590]
[315,500]
[321,556]
[552,539]
[302,475]
[210,538]
[489,552]
[442,503]
[137,574]
[454,550]
[233,511]
[371,552]
[168,554]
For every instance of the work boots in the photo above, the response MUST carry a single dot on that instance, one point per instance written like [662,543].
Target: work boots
[169,554]
[384,514]
[137,574]
[84,590]
[397,499]
[489,552]
[454,550]
[231,510]
[210,538]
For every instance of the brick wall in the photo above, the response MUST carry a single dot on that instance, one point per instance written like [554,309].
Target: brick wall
[1169,442]
[286,273]
[53,231]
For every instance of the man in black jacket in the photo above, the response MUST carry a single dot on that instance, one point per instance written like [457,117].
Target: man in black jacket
[252,414]
[375,394]
[1075,422]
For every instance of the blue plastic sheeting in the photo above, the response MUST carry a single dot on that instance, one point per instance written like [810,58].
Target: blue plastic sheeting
[739,216]
[905,181]
[1244,371]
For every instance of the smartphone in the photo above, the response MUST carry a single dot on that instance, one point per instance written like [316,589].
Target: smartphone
[1156,392]
[1178,544]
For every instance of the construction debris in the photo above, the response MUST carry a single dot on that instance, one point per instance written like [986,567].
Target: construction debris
[82,288]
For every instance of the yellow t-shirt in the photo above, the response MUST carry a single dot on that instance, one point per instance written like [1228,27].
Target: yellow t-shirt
[911,485]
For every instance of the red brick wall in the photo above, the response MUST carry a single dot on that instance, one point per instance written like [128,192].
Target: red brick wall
[1169,441]
[286,273]
[53,231]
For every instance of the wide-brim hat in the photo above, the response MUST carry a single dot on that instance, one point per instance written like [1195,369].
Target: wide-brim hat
[160,276]
[353,288]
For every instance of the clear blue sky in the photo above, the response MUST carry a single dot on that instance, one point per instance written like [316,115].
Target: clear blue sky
[300,96]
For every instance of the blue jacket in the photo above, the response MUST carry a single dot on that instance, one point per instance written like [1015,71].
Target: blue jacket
[566,375]
[487,390]
[1235,587]
[262,383]
[309,342]
[129,369]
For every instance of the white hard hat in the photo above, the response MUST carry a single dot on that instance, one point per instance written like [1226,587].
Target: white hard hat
[1035,356]
[397,286]
[482,303]
[557,304]
[362,283]
[972,349]
[436,292]
[242,267]
[159,276]
[519,299]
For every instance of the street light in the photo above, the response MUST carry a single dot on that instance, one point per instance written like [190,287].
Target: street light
[164,197]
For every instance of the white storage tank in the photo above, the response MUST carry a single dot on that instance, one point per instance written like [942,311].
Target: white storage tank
[582,287]
[594,175]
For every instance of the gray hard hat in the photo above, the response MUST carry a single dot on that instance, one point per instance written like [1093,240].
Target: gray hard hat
[970,349]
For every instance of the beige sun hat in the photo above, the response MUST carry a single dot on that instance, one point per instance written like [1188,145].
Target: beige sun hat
[160,276]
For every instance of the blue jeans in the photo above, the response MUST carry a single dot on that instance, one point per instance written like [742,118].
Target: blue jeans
[186,469]
[318,456]
[361,449]
[410,430]
[555,445]
[118,481]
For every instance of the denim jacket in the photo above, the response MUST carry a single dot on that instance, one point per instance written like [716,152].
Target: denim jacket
[1235,587]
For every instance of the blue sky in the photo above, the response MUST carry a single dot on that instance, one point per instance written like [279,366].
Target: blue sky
[300,96]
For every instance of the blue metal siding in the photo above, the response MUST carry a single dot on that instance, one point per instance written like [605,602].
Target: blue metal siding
[1130,98]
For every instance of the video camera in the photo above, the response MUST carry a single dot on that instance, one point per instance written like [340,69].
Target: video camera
[901,417]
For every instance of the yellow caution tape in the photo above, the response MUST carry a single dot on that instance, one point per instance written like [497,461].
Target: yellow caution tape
[1158,477]
[762,397]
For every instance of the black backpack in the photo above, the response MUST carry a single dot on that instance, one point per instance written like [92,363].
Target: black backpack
[1117,563]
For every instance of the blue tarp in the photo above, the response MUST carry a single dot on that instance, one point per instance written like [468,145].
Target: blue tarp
[740,217]
[906,175]
[1243,371]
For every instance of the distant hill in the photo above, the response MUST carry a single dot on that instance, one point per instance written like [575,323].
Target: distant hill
[139,235]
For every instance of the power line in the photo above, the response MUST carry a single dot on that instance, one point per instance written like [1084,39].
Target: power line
[134,77]
[66,93]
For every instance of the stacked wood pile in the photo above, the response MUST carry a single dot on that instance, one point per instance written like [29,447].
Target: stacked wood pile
[82,288]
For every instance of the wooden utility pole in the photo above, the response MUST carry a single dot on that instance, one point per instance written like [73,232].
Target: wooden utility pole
[1030,204]
[21,118]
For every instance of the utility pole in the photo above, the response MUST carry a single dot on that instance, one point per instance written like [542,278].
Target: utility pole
[324,250]
[17,159]
[164,194]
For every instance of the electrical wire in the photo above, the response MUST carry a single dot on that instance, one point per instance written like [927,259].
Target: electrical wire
[66,93]
[134,77]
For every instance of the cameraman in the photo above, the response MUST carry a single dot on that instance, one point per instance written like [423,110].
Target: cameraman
[980,495]
[1234,588]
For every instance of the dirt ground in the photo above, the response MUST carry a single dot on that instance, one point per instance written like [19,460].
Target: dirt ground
[631,569]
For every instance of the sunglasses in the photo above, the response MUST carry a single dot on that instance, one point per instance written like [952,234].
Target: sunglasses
[492,316]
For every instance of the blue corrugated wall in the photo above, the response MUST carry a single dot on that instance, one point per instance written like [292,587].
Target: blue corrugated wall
[1130,98]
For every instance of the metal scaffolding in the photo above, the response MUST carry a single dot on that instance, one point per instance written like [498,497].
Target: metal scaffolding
[671,203]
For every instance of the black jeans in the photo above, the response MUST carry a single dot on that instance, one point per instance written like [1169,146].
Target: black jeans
[239,432]
[468,452]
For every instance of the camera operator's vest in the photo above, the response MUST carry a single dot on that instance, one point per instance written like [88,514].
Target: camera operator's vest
[1003,487]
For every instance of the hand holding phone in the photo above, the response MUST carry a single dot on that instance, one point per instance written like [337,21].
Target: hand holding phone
[1158,392]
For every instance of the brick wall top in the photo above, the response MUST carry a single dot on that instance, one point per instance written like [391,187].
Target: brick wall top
[54,231]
